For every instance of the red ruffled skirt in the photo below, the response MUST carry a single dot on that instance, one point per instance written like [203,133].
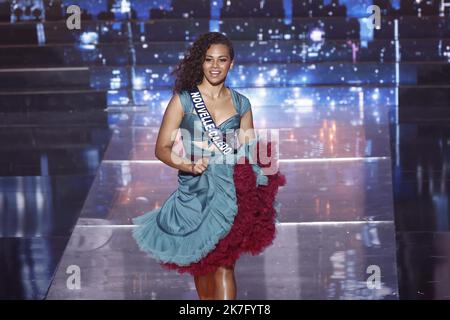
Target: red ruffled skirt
[253,228]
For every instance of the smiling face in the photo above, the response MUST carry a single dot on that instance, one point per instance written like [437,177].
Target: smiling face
[217,63]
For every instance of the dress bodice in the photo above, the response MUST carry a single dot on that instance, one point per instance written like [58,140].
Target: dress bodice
[192,132]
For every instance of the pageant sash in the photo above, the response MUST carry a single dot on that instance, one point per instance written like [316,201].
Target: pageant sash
[214,133]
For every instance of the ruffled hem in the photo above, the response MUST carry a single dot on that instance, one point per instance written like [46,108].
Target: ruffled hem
[254,226]
[184,250]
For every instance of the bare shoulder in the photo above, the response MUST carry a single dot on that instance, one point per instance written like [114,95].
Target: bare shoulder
[242,98]
[175,99]
[175,104]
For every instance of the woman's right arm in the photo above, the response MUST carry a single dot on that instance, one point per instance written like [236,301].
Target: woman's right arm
[167,132]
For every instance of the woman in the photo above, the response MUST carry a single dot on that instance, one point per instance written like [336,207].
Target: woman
[221,208]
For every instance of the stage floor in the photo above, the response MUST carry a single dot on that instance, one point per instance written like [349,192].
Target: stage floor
[336,224]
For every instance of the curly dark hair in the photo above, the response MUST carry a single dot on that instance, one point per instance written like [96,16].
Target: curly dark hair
[189,72]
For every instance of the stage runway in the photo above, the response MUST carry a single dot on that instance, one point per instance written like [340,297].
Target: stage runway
[335,225]
[360,113]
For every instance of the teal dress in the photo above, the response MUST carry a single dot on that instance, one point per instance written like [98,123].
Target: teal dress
[201,212]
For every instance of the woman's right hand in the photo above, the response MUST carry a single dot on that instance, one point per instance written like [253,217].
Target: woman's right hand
[199,166]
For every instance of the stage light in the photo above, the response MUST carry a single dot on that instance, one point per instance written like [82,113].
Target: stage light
[260,81]
[89,40]
[304,102]
[138,83]
[273,72]
[316,35]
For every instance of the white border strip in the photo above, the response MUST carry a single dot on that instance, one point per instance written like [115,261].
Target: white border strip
[281,160]
[284,224]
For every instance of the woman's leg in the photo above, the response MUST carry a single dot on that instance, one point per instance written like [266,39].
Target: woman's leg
[205,286]
[225,284]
